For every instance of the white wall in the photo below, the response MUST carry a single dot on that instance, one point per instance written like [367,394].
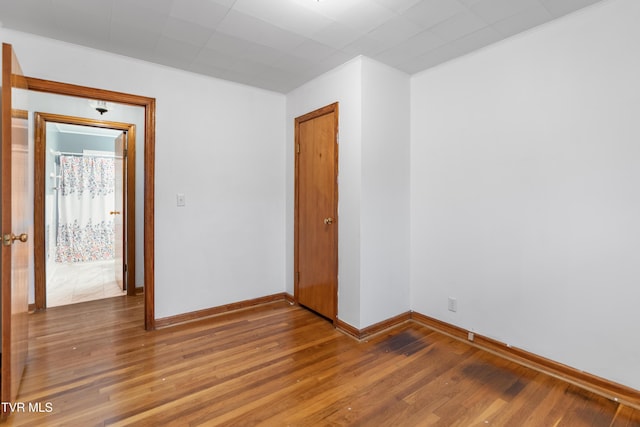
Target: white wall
[343,85]
[384,225]
[373,186]
[525,164]
[219,143]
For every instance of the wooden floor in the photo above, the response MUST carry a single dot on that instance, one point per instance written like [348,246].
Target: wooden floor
[278,365]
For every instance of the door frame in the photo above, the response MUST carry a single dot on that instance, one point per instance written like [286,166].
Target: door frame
[328,109]
[39,204]
[149,105]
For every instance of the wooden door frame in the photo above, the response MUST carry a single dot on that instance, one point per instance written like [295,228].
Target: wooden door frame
[149,105]
[39,204]
[331,108]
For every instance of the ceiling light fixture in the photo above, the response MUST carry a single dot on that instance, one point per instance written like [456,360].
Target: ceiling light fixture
[100,106]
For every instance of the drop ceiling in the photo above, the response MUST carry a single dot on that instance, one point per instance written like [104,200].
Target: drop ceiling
[280,44]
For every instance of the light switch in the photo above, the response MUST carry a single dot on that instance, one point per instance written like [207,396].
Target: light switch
[180,200]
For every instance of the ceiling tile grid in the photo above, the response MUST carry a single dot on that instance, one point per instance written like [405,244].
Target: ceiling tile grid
[280,44]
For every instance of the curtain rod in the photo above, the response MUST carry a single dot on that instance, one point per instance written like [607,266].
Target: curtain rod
[59,153]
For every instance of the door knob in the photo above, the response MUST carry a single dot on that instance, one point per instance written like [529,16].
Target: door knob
[8,239]
[328,221]
[114,213]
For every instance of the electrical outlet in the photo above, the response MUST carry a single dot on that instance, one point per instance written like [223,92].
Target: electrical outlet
[453,304]
[471,336]
[180,200]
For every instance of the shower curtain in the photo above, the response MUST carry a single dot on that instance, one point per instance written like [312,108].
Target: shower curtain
[85,198]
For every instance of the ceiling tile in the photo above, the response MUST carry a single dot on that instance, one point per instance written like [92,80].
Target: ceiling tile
[395,31]
[452,50]
[214,58]
[496,10]
[82,23]
[162,7]
[260,53]
[170,50]
[227,44]
[135,37]
[88,7]
[458,26]
[523,21]
[338,58]
[133,51]
[249,68]
[398,6]
[415,46]
[249,28]
[364,16]
[288,15]
[137,17]
[476,40]
[336,35]
[365,45]
[294,63]
[562,7]
[225,3]
[428,13]
[313,51]
[28,15]
[200,12]
[186,32]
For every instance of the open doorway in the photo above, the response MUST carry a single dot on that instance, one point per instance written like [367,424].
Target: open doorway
[144,253]
[85,202]
[84,243]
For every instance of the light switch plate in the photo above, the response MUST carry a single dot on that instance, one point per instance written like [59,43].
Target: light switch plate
[180,200]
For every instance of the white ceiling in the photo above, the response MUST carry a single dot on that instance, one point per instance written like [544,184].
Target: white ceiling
[281,44]
[84,130]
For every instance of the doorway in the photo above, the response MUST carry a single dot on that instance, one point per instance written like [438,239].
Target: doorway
[316,211]
[86,197]
[89,208]
[148,218]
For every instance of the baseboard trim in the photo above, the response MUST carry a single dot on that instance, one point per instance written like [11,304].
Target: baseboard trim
[598,385]
[373,329]
[289,298]
[214,311]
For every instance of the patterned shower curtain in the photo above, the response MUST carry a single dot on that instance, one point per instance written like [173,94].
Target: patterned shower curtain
[85,198]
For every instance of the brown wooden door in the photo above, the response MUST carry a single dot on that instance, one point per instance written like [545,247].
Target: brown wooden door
[15,226]
[119,212]
[316,240]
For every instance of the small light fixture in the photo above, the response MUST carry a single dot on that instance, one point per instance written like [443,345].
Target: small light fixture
[101,107]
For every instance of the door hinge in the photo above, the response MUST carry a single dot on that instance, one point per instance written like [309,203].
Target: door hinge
[124,154]
[125,268]
[298,148]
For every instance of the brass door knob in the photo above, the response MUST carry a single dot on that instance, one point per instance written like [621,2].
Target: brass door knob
[114,213]
[328,221]
[8,239]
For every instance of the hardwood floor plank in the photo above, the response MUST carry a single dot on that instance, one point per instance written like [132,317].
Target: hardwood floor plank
[278,365]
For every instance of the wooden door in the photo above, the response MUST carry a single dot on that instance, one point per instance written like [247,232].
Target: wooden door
[316,228]
[16,225]
[119,212]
